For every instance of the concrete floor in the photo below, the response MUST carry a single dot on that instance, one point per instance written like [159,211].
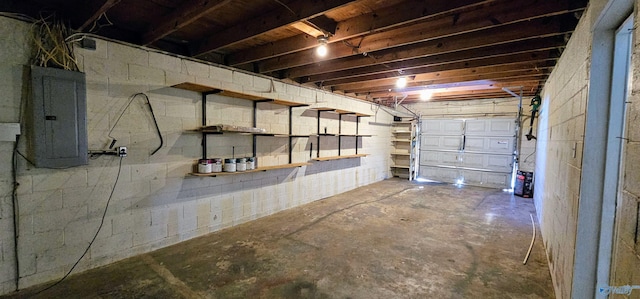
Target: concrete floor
[393,239]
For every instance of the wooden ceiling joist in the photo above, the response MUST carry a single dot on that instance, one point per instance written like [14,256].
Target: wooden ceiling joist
[546,44]
[530,31]
[282,16]
[184,15]
[95,12]
[530,85]
[538,57]
[493,73]
[432,29]
[387,18]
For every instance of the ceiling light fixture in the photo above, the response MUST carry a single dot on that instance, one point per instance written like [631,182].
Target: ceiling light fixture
[426,95]
[402,82]
[322,49]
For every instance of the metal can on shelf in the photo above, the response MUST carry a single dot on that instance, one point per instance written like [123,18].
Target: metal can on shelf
[229,165]
[204,166]
[251,163]
[216,165]
[241,164]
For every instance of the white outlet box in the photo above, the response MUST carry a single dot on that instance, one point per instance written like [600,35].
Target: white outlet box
[8,131]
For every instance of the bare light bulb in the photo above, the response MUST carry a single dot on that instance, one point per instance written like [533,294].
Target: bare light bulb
[322,50]
[426,95]
[401,83]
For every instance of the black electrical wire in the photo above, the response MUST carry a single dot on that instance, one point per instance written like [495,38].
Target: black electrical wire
[104,215]
[14,206]
[155,121]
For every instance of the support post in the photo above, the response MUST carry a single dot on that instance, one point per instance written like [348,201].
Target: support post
[339,133]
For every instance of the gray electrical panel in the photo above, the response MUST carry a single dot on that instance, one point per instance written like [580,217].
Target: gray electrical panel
[57,120]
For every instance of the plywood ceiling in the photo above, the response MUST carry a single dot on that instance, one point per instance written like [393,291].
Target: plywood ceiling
[458,49]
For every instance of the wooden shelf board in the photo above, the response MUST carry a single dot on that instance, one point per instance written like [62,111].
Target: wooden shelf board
[288,103]
[402,132]
[340,111]
[271,134]
[324,109]
[233,94]
[339,157]
[401,154]
[354,135]
[214,130]
[401,166]
[208,89]
[195,87]
[259,169]
[401,140]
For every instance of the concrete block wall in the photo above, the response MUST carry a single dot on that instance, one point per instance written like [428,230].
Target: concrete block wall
[14,54]
[486,108]
[156,203]
[625,268]
[559,155]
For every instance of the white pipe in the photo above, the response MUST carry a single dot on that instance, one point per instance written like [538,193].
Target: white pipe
[533,239]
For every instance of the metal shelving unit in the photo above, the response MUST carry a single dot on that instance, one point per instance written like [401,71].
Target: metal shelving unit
[340,135]
[404,153]
[255,132]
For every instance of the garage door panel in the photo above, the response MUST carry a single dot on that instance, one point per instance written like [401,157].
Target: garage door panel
[447,175]
[436,158]
[442,127]
[502,127]
[490,127]
[440,142]
[473,161]
[478,151]
[471,177]
[500,145]
[486,179]
[499,162]
[476,127]
[476,144]
[489,162]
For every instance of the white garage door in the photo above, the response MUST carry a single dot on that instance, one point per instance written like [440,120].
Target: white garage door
[473,151]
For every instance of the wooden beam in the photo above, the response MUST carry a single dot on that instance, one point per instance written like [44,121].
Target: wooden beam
[478,20]
[465,85]
[531,57]
[531,31]
[282,16]
[497,91]
[384,19]
[307,29]
[180,17]
[545,44]
[528,90]
[503,95]
[549,44]
[324,24]
[96,12]
[472,74]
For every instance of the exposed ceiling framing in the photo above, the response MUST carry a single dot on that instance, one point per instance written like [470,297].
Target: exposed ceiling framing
[457,49]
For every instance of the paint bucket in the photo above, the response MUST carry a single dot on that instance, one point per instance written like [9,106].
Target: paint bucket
[241,164]
[216,165]
[229,165]
[204,166]
[251,163]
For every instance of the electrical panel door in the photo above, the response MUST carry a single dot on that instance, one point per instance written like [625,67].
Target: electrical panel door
[57,124]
